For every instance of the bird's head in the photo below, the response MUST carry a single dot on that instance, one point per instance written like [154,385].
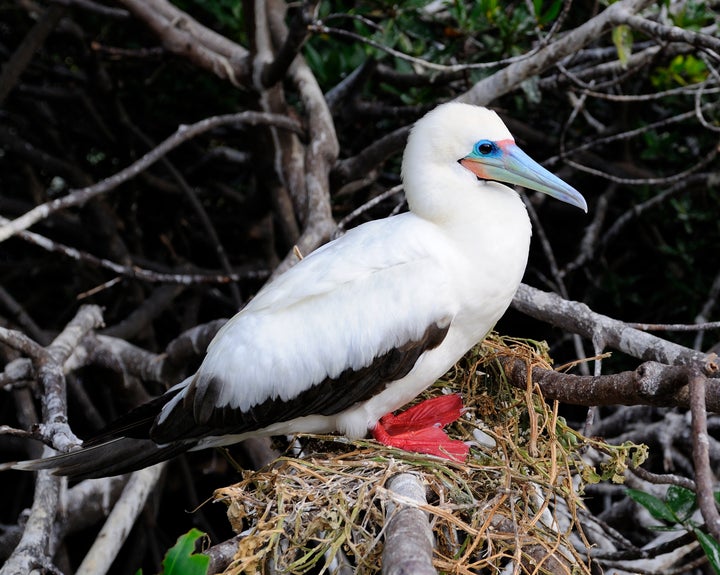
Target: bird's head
[473,141]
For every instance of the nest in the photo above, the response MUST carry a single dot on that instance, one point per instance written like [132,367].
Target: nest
[516,503]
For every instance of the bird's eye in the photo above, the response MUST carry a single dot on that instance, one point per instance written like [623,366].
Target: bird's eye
[485,147]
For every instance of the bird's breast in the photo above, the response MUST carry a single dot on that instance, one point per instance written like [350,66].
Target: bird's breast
[490,263]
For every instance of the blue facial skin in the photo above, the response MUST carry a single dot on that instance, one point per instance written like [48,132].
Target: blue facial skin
[487,149]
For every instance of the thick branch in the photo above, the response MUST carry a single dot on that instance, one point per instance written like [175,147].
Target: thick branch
[704,477]
[89,502]
[36,542]
[186,37]
[510,77]
[320,154]
[222,554]
[36,546]
[298,32]
[52,378]
[650,384]
[576,317]
[104,550]
[408,536]
[286,186]
[666,33]
[124,358]
[371,156]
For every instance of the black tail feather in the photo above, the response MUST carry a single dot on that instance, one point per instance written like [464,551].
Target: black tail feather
[136,423]
[114,457]
[123,446]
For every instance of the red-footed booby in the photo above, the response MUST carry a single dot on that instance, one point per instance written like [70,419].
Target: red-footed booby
[364,324]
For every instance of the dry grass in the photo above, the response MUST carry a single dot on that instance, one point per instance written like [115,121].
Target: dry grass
[513,505]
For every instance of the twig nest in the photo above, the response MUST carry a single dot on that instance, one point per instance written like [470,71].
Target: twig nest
[516,501]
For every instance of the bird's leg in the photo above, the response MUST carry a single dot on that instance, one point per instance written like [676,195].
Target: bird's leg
[419,428]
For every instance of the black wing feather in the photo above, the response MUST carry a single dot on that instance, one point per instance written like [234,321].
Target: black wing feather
[329,397]
[136,440]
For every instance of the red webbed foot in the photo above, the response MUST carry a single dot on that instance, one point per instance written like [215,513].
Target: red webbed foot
[419,428]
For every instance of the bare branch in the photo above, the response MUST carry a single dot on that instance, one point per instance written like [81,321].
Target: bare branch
[286,158]
[349,86]
[36,547]
[16,144]
[667,33]
[319,27]
[704,178]
[320,155]
[651,383]
[136,272]
[507,79]
[676,326]
[16,64]
[158,302]
[50,374]
[704,477]
[222,554]
[578,318]
[120,521]
[371,156]
[181,135]
[680,177]
[197,205]
[664,479]
[408,537]
[184,36]
[90,501]
[19,341]
[298,32]
[97,8]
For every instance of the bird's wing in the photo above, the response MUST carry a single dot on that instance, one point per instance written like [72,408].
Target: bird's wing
[330,332]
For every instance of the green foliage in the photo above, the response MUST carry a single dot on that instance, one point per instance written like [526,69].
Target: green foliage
[710,547]
[683,69]
[227,14]
[466,32]
[623,39]
[181,558]
[546,12]
[676,509]
[693,15]
[620,457]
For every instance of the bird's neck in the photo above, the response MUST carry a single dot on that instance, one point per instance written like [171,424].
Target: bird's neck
[468,210]
[487,229]
[489,226]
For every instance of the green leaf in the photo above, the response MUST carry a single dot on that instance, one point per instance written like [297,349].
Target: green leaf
[711,548]
[657,507]
[682,70]
[681,501]
[551,13]
[181,559]
[623,39]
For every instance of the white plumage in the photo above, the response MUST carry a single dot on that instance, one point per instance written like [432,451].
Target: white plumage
[364,324]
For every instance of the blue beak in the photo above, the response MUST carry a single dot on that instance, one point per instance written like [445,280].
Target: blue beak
[503,161]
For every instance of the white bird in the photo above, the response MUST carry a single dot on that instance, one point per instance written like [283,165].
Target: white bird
[365,323]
